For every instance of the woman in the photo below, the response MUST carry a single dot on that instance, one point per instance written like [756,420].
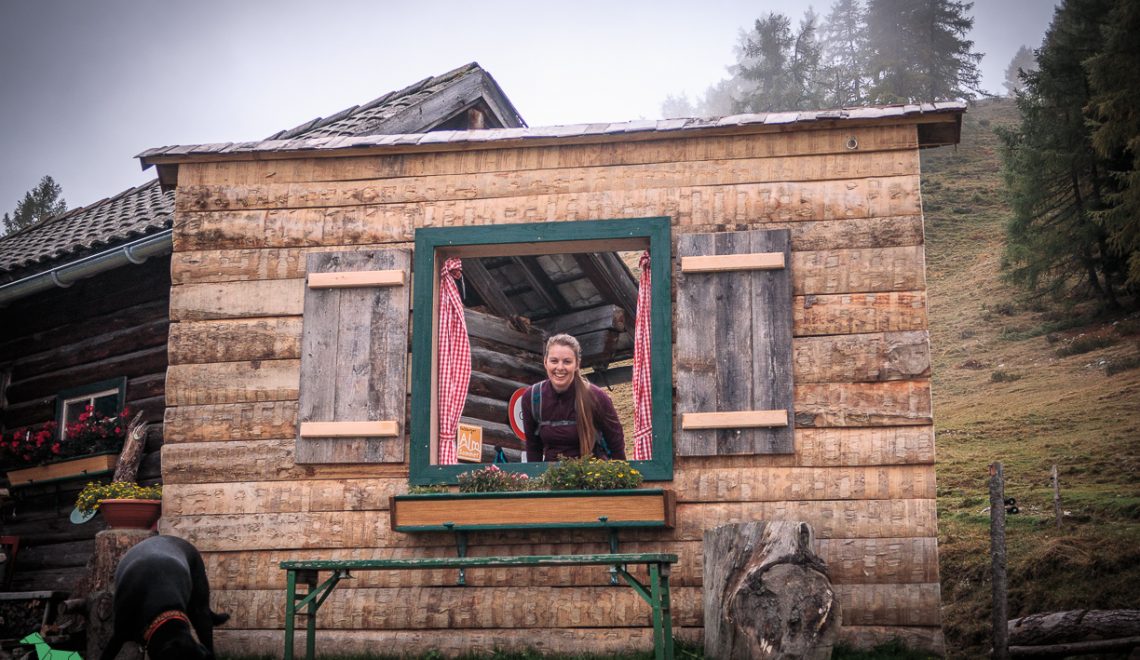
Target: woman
[565,416]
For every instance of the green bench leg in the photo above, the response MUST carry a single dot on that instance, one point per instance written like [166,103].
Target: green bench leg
[290,611]
[662,612]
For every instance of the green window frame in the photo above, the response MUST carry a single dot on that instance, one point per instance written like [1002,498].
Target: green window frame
[432,245]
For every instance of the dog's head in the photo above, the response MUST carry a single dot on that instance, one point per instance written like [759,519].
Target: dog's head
[179,647]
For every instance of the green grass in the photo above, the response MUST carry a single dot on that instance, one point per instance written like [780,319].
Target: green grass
[1046,397]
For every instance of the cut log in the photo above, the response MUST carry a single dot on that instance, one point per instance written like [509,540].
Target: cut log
[605,317]
[1076,648]
[129,459]
[766,594]
[1073,626]
[495,329]
[506,366]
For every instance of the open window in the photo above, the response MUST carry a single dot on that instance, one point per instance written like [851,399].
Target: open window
[520,284]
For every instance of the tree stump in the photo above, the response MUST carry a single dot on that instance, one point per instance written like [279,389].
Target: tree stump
[110,546]
[766,593]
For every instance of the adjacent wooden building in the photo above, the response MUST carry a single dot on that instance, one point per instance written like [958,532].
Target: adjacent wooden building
[835,195]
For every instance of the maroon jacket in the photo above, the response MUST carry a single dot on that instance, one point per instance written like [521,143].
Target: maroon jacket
[553,442]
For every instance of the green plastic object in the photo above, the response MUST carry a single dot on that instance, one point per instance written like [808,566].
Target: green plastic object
[45,652]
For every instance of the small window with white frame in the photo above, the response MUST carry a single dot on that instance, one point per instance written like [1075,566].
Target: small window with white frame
[105,397]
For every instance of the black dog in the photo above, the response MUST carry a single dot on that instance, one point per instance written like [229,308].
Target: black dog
[161,591]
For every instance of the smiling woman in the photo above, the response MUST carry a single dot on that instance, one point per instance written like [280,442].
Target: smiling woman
[520,285]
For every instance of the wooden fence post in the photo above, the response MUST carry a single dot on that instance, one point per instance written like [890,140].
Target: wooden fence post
[1000,617]
[1056,496]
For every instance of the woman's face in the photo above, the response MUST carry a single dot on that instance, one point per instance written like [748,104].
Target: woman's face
[561,367]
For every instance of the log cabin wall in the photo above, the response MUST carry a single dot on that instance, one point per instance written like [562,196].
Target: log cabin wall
[106,327]
[863,469]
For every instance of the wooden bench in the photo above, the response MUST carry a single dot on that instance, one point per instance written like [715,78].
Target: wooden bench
[656,593]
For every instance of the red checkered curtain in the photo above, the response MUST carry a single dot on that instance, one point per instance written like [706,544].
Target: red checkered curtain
[454,360]
[642,393]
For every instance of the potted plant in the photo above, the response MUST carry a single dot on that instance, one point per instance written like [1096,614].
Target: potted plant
[571,493]
[89,446]
[124,505]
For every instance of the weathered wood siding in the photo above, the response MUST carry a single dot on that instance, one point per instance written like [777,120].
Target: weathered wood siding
[113,325]
[863,468]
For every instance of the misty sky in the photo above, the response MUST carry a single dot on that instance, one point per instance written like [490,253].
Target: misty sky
[85,85]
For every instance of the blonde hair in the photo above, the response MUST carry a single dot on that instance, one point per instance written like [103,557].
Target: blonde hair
[583,396]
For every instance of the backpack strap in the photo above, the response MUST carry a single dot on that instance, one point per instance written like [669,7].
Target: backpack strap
[536,413]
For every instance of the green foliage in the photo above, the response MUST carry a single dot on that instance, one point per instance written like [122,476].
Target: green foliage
[94,493]
[493,480]
[1001,376]
[589,474]
[433,489]
[1023,62]
[1086,344]
[1061,190]
[41,202]
[918,51]
[778,66]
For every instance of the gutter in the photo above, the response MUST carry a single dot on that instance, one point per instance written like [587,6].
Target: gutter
[135,252]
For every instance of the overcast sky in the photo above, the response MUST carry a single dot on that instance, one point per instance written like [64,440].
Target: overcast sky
[85,85]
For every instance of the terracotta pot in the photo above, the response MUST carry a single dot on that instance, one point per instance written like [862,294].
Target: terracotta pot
[131,514]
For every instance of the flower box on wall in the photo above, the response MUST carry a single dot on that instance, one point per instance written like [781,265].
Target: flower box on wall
[605,509]
[90,466]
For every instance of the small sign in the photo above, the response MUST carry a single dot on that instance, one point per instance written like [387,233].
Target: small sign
[514,410]
[469,443]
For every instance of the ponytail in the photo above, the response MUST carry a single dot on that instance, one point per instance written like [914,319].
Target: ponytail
[583,396]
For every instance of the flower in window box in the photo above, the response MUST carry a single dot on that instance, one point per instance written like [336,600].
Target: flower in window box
[92,433]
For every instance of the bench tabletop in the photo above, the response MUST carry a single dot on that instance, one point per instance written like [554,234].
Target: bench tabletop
[481,562]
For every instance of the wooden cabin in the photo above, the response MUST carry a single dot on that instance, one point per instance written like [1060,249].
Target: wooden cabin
[85,299]
[829,335]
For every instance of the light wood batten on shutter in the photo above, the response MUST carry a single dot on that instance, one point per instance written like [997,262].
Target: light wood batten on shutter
[356,279]
[720,263]
[744,419]
[381,429]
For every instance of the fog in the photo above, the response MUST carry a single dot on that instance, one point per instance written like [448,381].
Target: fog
[87,85]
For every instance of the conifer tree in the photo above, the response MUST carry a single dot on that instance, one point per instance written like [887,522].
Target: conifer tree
[843,68]
[1057,182]
[40,202]
[918,51]
[1023,60]
[777,67]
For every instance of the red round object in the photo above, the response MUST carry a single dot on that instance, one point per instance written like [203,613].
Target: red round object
[514,412]
[131,514]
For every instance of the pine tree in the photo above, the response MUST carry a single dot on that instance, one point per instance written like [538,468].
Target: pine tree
[41,202]
[778,68]
[918,51]
[1023,60]
[1114,74]
[843,68]
[1056,180]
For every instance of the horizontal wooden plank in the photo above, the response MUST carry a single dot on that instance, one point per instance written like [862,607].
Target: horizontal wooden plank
[232,340]
[453,643]
[691,484]
[355,529]
[849,561]
[893,403]
[858,313]
[715,205]
[867,270]
[734,420]
[196,302]
[720,263]
[347,167]
[861,358]
[436,187]
[527,510]
[357,279]
[547,641]
[546,607]
[360,429]
[230,422]
[261,460]
[232,382]
[228,265]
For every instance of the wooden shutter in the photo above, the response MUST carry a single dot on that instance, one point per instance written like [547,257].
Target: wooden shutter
[734,343]
[354,357]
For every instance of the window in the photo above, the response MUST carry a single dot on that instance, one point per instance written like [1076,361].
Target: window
[105,397]
[552,243]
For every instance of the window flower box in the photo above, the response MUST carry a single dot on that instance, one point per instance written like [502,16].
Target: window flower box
[92,465]
[601,509]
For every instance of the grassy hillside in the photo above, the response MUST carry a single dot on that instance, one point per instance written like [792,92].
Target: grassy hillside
[1030,383]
